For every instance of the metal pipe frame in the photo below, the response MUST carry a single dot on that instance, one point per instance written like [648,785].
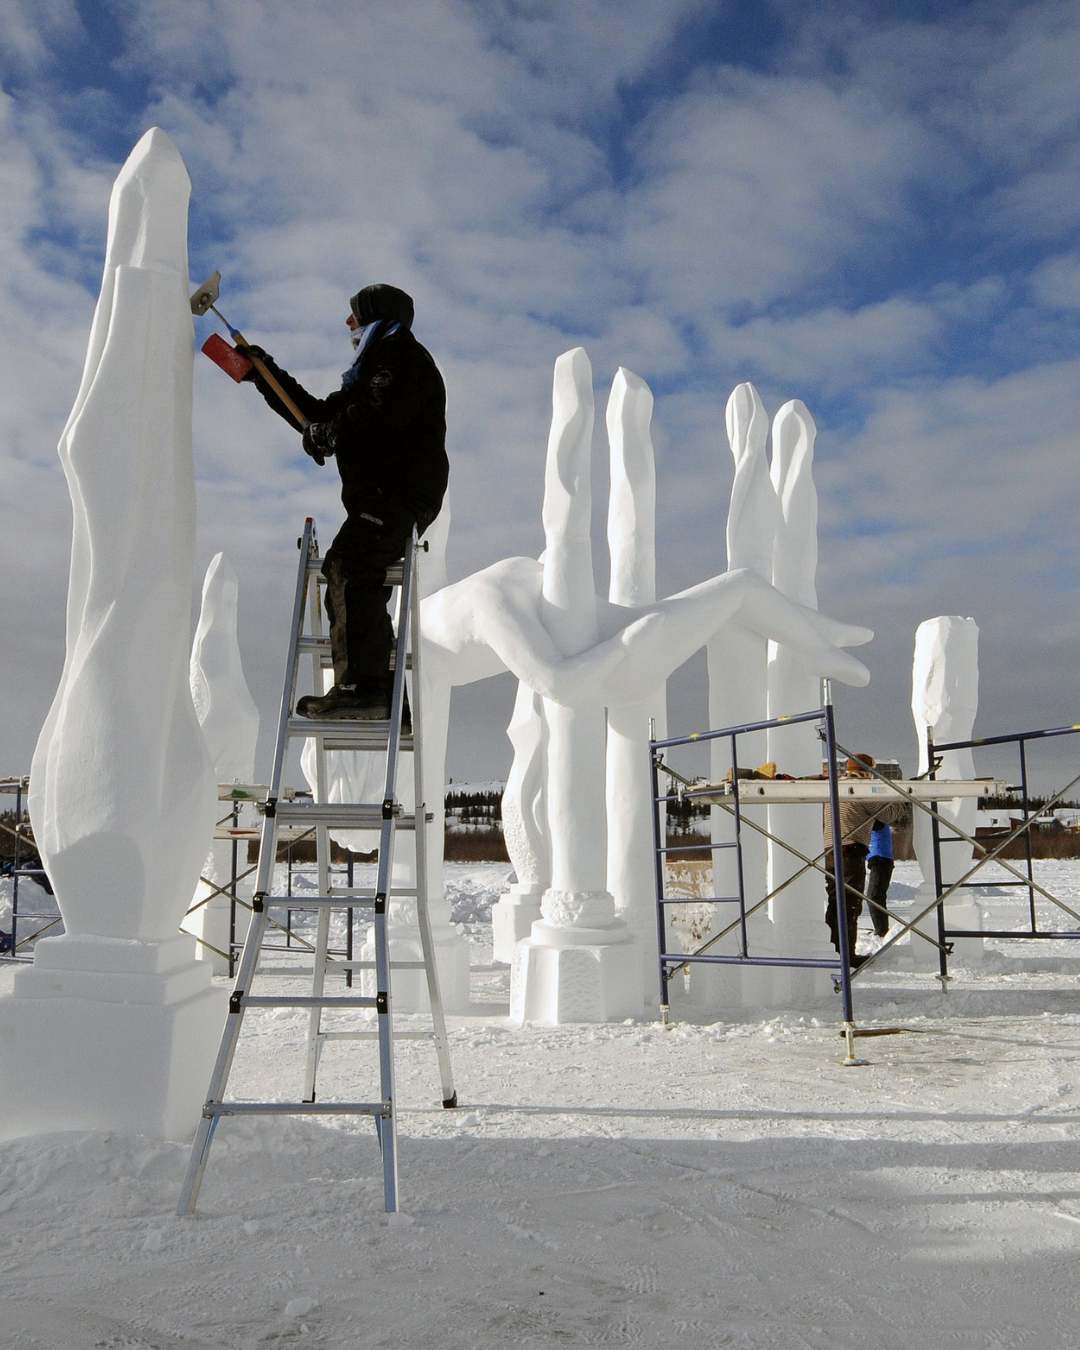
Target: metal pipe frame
[1020,740]
[671,962]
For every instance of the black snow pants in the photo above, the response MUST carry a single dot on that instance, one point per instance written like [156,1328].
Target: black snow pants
[372,539]
[854,859]
[878,875]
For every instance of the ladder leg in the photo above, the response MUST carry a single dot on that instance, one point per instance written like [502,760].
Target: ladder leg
[189,1193]
[420,839]
[318,984]
[438,1020]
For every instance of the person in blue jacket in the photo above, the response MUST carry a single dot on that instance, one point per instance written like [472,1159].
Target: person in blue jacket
[879,870]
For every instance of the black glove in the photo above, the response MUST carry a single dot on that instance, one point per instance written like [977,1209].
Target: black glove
[319,441]
[251,350]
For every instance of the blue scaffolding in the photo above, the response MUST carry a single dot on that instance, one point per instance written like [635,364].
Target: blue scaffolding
[672,962]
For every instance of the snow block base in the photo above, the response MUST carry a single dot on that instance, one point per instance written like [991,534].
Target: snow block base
[576,975]
[512,919]
[408,988]
[107,1034]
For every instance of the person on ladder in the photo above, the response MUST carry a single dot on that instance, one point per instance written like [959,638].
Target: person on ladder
[386,428]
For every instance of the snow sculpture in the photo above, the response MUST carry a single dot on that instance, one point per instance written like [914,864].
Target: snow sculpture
[737,666]
[230,724]
[797,912]
[631,532]
[945,698]
[524,822]
[579,963]
[589,977]
[115,1024]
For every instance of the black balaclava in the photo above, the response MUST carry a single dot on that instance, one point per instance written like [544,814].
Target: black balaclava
[382,302]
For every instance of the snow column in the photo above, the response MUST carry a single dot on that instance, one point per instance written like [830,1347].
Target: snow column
[230,724]
[579,963]
[737,666]
[524,822]
[944,698]
[115,1024]
[795,687]
[631,532]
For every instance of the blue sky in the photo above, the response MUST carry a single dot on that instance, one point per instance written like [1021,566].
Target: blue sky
[870,207]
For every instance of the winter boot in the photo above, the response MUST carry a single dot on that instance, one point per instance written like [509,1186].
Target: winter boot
[344,702]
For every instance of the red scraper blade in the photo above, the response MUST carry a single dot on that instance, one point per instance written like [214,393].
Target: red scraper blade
[232,362]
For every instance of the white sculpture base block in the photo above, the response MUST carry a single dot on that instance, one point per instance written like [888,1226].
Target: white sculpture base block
[107,1034]
[576,975]
[210,923]
[408,988]
[512,918]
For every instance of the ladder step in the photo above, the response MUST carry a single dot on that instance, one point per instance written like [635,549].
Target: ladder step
[306,1001]
[394,574]
[296,1109]
[346,735]
[318,901]
[357,815]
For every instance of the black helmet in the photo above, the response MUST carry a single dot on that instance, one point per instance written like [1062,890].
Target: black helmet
[382,302]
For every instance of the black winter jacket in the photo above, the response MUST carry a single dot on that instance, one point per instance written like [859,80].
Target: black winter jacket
[387,429]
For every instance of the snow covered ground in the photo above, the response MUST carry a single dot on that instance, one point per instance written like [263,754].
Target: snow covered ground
[713,1185]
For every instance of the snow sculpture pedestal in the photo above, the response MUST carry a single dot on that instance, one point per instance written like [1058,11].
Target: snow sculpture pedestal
[512,918]
[584,971]
[138,1022]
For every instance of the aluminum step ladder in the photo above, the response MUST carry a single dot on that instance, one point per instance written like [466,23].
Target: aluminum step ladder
[385,816]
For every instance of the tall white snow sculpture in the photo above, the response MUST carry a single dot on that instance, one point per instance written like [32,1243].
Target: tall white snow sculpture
[524,823]
[945,699]
[115,1024]
[797,914]
[230,723]
[579,963]
[631,533]
[737,665]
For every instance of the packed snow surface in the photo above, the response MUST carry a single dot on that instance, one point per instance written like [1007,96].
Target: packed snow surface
[712,1185]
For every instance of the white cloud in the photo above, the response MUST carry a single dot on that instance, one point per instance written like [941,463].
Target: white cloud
[1056,282]
[501,162]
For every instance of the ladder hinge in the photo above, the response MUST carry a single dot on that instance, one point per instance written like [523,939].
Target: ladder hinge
[380,902]
[388,809]
[270,807]
[382,1003]
[235,999]
[257,902]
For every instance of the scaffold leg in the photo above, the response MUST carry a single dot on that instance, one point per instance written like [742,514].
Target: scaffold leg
[851,1060]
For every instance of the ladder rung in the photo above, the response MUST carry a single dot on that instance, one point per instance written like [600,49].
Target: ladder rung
[318,901]
[305,1001]
[296,1108]
[357,815]
[374,1035]
[394,574]
[346,735]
